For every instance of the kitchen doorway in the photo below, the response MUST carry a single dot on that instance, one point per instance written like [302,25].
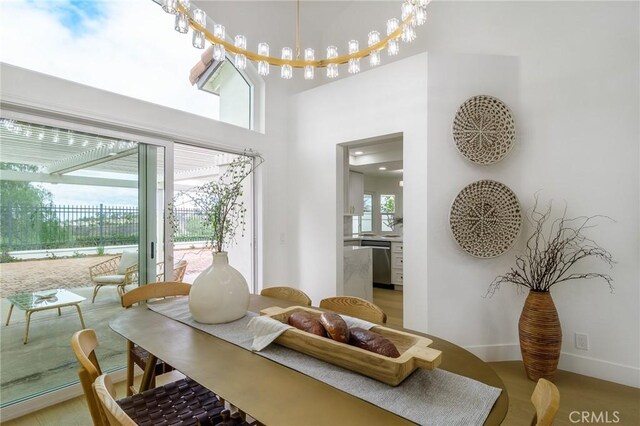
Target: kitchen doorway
[372,227]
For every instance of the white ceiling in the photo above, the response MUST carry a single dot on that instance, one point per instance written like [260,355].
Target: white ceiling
[368,158]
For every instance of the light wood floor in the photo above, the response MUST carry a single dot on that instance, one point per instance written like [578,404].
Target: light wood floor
[577,392]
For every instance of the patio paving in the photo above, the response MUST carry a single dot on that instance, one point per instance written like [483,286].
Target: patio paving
[46,274]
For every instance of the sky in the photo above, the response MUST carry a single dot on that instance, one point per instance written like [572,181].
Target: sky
[123,46]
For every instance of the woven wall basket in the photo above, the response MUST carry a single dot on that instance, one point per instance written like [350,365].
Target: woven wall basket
[484,130]
[485,218]
[540,336]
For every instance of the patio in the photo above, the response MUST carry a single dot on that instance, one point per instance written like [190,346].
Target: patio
[46,361]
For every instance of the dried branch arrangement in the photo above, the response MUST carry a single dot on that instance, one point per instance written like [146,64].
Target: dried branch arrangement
[219,202]
[552,251]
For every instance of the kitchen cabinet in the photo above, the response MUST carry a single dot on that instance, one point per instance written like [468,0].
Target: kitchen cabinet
[397,259]
[355,195]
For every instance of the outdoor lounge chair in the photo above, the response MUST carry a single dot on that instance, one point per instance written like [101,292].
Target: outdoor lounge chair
[120,271]
[178,271]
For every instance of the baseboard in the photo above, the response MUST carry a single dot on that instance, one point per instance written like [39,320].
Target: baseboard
[592,367]
[600,369]
[22,408]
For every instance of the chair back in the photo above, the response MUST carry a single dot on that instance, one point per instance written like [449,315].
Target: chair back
[154,291]
[287,293]
[106,392]
[83,344]
[179,271]
[546,400]
[128,259]
[355,307]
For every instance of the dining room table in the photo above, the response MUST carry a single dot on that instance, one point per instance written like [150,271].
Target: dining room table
[268,391]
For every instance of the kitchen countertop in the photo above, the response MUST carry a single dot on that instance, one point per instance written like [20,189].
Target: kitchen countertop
[353,248]
[357,237]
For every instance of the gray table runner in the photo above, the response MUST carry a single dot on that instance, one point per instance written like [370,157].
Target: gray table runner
[428,397]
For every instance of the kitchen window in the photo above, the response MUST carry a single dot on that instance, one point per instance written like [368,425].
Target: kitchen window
[364,223]
[387,212]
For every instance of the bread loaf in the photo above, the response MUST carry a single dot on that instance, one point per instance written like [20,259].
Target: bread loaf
[336,328]
[306,322]
[373,342]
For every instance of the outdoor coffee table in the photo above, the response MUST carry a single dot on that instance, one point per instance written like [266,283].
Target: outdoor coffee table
[43,300]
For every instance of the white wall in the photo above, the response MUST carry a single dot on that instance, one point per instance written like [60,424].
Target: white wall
[577,115]
[572,82]
[379,102]
[451,80]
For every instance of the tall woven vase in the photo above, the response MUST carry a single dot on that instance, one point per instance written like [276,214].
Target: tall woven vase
[540,335]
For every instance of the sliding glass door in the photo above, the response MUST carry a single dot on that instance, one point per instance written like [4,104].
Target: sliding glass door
[84,214]
[193,167]
[81,216]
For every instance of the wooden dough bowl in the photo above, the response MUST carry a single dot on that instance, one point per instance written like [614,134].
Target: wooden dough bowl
[414,350]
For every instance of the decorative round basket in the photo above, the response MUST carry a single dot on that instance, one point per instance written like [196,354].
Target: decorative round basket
[484,130]
[485,218]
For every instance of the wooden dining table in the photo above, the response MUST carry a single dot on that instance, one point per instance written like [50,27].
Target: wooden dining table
[270,392]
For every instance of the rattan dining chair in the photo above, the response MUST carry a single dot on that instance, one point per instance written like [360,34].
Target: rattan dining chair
[355,307]
[287,293]
[135,354]
[546,400]
[161,405]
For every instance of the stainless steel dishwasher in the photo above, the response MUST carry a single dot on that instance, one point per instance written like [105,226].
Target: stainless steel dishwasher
[381,260]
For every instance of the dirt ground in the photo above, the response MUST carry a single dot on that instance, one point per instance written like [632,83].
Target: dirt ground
[45,274]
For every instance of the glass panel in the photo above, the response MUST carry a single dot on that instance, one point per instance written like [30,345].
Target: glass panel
[387,210]
[194,167]
[366,221]
[69,221]
[224,81]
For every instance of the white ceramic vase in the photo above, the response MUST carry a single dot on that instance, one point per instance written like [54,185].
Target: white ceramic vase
[219,294]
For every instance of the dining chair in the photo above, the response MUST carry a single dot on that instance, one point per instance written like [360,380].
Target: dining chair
[83,344]
[546,400]
[179,269]
[184,397]
[135,354]
[120,271]
[287,293]
[355,307]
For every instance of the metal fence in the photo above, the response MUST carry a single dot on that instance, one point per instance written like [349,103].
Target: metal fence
[55,226]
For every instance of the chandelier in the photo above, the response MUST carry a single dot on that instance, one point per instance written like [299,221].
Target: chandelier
[413,13]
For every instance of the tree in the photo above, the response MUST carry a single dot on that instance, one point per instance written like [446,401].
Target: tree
[387,210]
[25,219]
[22,193]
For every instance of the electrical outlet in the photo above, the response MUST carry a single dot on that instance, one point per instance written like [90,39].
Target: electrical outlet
[582,341]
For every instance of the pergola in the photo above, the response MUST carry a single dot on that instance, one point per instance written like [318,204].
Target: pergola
[57,153]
